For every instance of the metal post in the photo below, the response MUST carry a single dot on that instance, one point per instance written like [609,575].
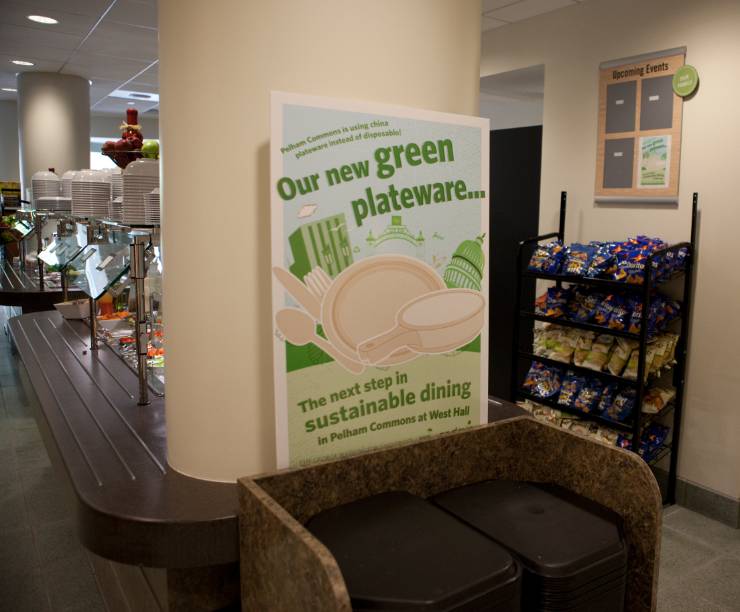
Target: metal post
[138,273]
[93,324]
[39,223]
[65,290]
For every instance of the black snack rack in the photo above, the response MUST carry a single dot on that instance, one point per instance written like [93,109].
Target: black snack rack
[643,292]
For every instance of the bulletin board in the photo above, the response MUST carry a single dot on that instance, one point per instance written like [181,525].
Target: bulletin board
[639,137]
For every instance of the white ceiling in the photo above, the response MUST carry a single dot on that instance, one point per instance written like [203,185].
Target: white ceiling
[113,43]
[497,13]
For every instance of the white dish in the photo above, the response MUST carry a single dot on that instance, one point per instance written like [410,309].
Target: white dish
[74,309]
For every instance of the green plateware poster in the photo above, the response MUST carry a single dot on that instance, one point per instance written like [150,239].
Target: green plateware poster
[379,254]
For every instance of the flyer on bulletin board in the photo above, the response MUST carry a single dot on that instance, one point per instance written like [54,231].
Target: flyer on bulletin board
[379,252]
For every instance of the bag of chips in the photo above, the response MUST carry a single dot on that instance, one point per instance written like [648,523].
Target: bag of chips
[577,259]
[620,355]
[620,314]
[547,258]
[603,312]
[599,354]
[587,399]
[542,381]
[622,406]
[570,389]
[607,398]
[557,302]
[603,263]
[584,342]
[582,307]
[657,398]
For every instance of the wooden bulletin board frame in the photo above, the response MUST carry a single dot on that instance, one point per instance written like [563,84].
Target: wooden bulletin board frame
[612,181]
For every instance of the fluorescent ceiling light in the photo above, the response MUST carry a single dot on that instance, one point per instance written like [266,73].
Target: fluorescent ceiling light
[127,94]
[8,89]
[42,19]
[130,103]
[22,63]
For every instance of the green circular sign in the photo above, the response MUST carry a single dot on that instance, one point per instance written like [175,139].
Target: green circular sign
[685,81]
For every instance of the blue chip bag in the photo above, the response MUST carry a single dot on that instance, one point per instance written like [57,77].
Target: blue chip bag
[577,259]
[603,263]
[583,306]
[620,314]
[556,304]
[603,312]
[589,395]
[547,258]
[542,381]
[607,398]
[570,389]
[622,406]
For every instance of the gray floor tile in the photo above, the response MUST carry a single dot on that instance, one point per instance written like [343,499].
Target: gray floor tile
[46,499]
[25,435]
[717,582]
[70,582]
[23,590]
[706,531]
[57,541]
[13,511]
[681,555]
[18,549]
[682,600]
[31,455]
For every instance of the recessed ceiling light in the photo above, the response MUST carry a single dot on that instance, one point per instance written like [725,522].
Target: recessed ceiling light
[22,63]
[9,89]
[42,19]
[130,103]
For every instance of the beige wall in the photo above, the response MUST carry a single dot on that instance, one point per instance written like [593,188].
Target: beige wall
[571,43]
[215,169]
[9,141]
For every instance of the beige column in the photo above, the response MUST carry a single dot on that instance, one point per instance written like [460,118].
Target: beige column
[218,65]
[9,141]
[53,123]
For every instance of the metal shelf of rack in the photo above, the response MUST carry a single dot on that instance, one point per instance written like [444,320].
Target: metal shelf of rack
[644,293]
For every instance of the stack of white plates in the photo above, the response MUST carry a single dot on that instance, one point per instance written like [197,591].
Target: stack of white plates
[54,203]
[44,184]
[115,213]
[139,179]
[151,206]
[67,179]
[116,181]
[90,194]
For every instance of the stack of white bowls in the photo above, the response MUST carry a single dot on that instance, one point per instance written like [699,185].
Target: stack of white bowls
[67,179]
[44,184]
[115,213]
[139,179]
[54,203]
[91,194]
[151,204]
[116,181]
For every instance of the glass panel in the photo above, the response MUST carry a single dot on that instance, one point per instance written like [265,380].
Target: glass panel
[60,251]
[97,267]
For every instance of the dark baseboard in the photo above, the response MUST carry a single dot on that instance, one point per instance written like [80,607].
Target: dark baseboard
[703,501]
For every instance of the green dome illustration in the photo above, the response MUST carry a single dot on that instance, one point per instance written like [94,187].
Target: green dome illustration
[466,267]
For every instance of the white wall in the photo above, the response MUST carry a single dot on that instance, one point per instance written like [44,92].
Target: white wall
[505,112]
[9,170]
[571,43]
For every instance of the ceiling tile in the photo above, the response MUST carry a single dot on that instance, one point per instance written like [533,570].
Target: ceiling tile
[150,77]
[490,5]
[40,65]
[15,13]
[33,53]
[15,35]
[142,87]
[100,88]
[93,8]
[490,24]
[133,12]
[123,41]
[103,67]
[528,8]
[118,106]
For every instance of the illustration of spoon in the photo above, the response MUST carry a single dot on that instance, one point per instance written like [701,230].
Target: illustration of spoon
[299,329]
[299,291]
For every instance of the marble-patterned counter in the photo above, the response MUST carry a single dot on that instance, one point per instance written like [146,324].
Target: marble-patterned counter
[283,567]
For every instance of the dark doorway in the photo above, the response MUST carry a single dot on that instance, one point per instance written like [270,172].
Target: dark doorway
[516,156]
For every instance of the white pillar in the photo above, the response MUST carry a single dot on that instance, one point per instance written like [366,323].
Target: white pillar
[217,67]
[9,141]
[53,123]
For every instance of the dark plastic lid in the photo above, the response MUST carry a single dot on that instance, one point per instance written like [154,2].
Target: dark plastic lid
[400,552]
[556,534]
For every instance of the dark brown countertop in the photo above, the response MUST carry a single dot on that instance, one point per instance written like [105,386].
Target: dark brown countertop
[132,507]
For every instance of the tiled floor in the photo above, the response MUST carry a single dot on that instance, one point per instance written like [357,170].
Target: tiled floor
[43,567]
